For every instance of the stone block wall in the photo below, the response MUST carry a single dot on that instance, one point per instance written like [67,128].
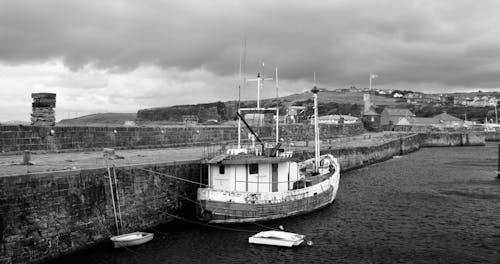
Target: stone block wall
[49,214]
[43,109]
[453,139]
[357,157]
[34,138]
[492,136]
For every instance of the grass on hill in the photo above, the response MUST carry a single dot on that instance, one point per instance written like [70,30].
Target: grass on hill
[100,119]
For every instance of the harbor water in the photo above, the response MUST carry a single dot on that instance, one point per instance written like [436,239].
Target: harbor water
[436,205]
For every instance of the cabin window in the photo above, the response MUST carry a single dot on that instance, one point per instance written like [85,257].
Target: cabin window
[253,168]
[222,169]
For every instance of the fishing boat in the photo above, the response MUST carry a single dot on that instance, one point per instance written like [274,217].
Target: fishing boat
[277,238]
[258,183]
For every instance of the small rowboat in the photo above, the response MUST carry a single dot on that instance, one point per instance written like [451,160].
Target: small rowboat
[131,239]
[277,238]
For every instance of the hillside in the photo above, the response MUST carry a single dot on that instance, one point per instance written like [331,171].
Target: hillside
[100,119]
[329,103]
[218,111]
[335,97]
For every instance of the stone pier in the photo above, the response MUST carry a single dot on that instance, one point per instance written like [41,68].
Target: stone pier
[67,206]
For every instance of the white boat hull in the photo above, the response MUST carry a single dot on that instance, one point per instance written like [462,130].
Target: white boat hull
[276,238]
[131,239]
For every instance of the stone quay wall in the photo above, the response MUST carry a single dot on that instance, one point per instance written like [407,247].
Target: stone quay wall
[46,215]
[453,139]
[492,136]
[357,157]
[61,138]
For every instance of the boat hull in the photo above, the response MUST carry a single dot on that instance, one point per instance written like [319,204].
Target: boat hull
[226,207]
[277,238]
[131,239]
[227,212]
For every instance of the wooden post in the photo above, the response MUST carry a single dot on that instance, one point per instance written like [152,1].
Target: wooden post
[26,158]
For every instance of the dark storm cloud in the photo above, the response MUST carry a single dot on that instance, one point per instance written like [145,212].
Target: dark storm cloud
[453,43]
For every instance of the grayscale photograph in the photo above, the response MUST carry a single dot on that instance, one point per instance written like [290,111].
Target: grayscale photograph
[237,131]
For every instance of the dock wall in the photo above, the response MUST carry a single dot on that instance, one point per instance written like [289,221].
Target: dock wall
[453,139]
[357,157]
[49,214]
[78,138]
[492,136]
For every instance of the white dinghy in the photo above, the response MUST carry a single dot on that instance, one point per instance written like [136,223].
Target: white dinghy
[131,239]
[277,238]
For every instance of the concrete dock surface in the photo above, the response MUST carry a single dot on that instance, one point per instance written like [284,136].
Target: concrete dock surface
[10,164]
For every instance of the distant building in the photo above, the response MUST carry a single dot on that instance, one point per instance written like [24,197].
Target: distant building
[391,116]
[129,123]
[336,119]
[370,118]
[292,113]
[190,119]
[397,95]
[439,122]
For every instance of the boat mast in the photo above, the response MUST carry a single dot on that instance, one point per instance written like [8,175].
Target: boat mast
[316,129]
[242,83]
[277,108]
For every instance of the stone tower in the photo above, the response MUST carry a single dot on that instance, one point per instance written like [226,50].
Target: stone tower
[43,109]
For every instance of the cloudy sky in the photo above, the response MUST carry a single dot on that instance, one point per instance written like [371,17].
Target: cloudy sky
[121,56]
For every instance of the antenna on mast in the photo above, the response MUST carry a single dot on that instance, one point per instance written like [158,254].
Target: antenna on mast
[277,83]
[240,78]
[260,84]
[263,74]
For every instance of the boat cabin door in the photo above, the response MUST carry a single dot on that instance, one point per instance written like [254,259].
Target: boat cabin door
[274,177]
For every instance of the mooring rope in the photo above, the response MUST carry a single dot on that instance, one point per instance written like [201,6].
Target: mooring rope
[176,192]
[171,176]
[268,227]
[197,222]
[210,225]
[197,202]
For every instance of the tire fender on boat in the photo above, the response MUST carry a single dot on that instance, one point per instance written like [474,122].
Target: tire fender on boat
[206,215]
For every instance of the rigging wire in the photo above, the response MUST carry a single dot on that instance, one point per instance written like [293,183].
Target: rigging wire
[197,222]
[171,176]
[210,225]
